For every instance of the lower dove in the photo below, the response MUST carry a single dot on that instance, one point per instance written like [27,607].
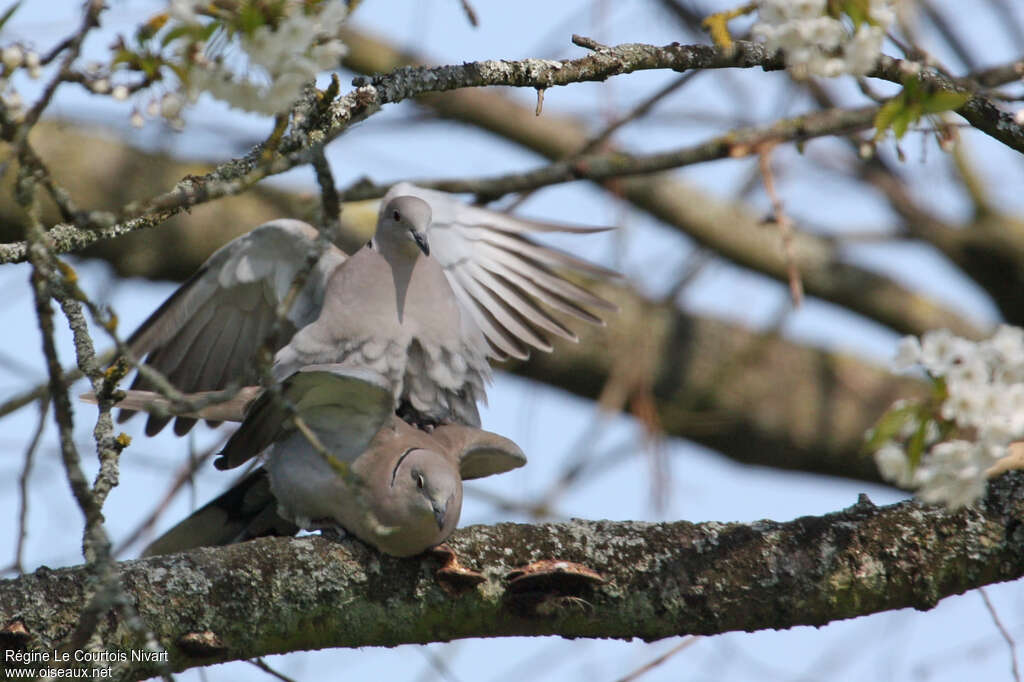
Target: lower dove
[353,465]
[442,287]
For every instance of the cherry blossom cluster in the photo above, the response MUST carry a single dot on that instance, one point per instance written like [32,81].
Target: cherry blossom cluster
[980,411]
[14,58]
[276,60]
[818,40]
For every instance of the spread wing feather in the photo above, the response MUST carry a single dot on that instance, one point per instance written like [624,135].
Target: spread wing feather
[207,334]
[503,279]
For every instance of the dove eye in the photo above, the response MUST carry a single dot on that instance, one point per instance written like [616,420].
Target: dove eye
[419,481]
[396,216]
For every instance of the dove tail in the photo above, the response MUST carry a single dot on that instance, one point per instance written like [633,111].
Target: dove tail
[247,510]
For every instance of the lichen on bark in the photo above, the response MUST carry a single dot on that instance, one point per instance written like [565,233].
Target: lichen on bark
[659,579]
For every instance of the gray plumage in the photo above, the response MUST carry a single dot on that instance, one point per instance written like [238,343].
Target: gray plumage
[400,490]
[443,287]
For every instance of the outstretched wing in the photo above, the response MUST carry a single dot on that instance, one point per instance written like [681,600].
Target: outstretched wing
[343,406]
[207,334]
[480,453]
[502,279]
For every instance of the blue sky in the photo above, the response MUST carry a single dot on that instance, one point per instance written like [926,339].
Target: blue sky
[956,640]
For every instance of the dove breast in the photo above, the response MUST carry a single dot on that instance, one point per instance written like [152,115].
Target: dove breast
[402,321]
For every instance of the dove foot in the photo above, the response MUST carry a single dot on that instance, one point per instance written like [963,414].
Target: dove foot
[329,529]
[407,413]
[453,577]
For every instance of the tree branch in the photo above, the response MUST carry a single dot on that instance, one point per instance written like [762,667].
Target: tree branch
[321,124]
[275,595]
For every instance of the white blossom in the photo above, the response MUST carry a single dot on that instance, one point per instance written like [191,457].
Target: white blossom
[12,56]
[816,44]
[984,384]
[940,350]
[953,473]
[32,63]
[280,60]
[908,353]
[15,106]
[1008,342]
[170,106]
[863,50]
[893,465]
[183,11]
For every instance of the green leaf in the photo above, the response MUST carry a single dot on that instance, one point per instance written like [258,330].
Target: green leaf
[124,57]
[887,114]
[912,88]
[916,100]
[180,71]
[915,446]
[858,11]
[151,27]
[180,31]
[944,100]
[249,19]
[150,65]
[901,123]
[889,425]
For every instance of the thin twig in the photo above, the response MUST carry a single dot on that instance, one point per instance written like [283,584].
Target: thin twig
[26,471]
[90,20]
[183,477]
[404,83]
[439,665]
[647,667]
[69,376]
[617,164]
[785,225]
[1003,631]
[262,665]
[596,142]
[588,43]
[470,13]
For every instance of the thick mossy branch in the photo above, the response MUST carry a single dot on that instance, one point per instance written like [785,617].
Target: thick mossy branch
[659,579]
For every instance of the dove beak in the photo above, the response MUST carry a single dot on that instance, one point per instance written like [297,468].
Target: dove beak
[440,513]
[421,241]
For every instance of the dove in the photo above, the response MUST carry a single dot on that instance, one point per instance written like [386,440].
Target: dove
[441,289]
[368,472]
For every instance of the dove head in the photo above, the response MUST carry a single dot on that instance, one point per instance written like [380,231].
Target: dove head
[402,226]
[423,503]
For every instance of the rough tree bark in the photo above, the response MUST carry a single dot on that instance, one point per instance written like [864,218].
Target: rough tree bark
[656,580]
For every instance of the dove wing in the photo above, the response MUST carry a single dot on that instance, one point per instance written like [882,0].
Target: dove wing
[503,280]
[207,334]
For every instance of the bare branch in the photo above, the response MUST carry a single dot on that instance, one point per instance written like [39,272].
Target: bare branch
[659,580]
